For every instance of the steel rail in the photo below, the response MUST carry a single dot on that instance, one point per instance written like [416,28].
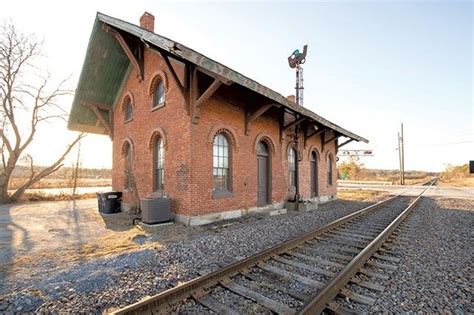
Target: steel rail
[320,301]
[164,299]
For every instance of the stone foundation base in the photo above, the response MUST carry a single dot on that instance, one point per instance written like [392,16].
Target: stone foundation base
[323,199]
[273,209]
[302,206]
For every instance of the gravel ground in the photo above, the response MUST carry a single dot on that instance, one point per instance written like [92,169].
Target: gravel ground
[117,280]
[436,271]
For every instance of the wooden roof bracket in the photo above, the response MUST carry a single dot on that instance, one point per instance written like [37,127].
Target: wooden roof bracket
[197,101]
[332,138]
[97,108]
[345,142]
[214,75]
[259,112]
[296,121]
[317,132]
[324,142]
[173,74]
[137,61]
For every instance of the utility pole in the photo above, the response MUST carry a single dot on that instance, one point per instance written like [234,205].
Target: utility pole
[401,156]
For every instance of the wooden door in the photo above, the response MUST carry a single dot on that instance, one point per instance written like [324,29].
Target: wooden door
[314,174]
[263,185]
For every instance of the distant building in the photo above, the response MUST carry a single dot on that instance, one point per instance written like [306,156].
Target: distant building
[214,141]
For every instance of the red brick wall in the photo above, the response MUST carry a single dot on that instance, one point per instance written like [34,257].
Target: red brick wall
[172,119]
[188,149]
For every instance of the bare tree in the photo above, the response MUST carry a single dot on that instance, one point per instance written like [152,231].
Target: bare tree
[26,101]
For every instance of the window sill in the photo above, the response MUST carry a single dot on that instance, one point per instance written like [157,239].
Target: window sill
[127,121]
[222,194]
[157,107]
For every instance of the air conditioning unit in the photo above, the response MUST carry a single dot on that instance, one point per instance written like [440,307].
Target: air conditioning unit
[155,210]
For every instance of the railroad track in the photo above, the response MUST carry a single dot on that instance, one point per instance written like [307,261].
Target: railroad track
[340,267]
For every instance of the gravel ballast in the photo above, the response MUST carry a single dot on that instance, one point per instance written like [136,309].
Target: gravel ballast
[435,274]
[114,281]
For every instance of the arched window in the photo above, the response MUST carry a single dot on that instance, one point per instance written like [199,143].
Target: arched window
[159,161]
[159,93]
[127,109]
[221,163]
[329,163]
[262,148]
[128,175]
[292,167]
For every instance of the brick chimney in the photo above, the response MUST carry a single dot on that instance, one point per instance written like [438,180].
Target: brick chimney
[291,98]
[147,21]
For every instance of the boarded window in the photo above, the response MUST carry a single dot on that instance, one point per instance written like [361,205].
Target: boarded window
[127,110]
[159,165]
[292,167]
[329,168]
[128,175]
[221,165]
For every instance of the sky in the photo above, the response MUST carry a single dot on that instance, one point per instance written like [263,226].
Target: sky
[371,65]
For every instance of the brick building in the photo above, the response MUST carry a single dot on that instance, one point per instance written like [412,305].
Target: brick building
[217,143]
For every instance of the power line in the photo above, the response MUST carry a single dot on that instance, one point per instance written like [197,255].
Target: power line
[446,143]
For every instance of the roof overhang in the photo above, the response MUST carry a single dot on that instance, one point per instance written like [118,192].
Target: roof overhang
[106,66]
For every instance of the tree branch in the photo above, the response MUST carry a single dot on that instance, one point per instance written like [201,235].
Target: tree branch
[47,171]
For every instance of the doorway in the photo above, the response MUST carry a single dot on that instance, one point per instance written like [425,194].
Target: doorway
[314,174]
[263,174]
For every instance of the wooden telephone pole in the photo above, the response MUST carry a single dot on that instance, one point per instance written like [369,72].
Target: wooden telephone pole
[401,156]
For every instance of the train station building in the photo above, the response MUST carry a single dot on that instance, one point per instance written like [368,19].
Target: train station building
[188,128]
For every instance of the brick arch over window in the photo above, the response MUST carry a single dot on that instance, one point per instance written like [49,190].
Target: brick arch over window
[155,78]
[291,144]
[312,149]
[263,136]
[158,132]
[128,97]
[123,148]
[228,132]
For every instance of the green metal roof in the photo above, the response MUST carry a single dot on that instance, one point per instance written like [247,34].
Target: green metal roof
[103,72]
[105,68]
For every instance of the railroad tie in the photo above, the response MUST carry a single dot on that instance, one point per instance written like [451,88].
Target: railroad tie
[387,258]
[209,302]
[268,303]
[304,266]
[356,297]
[268,284]
[382,266]
[317,260]
[373,274]
[291,275]
[368,284]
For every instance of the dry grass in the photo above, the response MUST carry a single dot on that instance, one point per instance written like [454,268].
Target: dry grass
[113,242]
[39,196]
[457,182]
[457,176]
[16,182]
[360,194]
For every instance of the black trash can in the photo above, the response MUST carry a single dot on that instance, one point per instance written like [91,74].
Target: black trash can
[109,202]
